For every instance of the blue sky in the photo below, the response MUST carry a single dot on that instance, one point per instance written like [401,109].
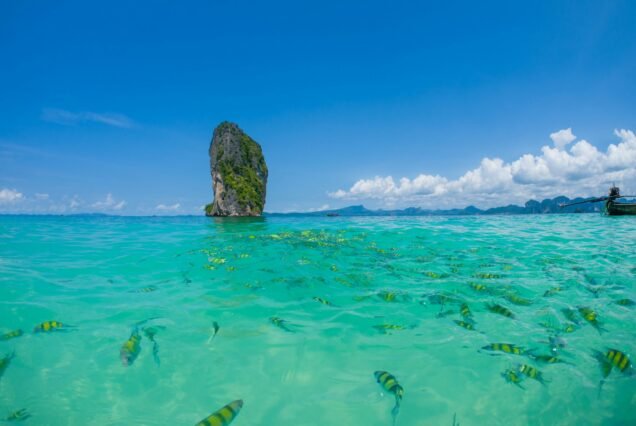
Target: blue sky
[111,106]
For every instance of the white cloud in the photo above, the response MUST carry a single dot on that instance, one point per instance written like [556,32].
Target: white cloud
[68,118]
[562,138]
[581,170]
[41,197]
[168,208]
[108,204]
[10,196]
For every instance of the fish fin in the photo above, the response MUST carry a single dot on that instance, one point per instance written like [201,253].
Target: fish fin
[395,411]
[600,386]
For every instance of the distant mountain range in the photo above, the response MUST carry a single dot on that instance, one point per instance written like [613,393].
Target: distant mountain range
[548,206]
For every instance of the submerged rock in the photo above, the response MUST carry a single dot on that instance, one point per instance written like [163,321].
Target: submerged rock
[239,173]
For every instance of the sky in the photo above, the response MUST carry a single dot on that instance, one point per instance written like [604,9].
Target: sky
[110,106]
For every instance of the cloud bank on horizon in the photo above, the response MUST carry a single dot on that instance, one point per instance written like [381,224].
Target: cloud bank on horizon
[578,170]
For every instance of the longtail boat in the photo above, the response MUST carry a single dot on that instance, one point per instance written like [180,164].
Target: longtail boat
[612,207]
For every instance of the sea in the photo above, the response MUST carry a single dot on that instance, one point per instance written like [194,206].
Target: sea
[497,320]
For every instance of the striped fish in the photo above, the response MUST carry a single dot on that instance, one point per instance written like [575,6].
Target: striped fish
[591,316]
[517,300]
[223,416]
[511,376]
[465,312]
[130,349]
[468,325]
[501,310]
[11,335]
[49,326]
[323,301]
[508,348]
[281,323]
[530,371]
[390,384]
[608,360]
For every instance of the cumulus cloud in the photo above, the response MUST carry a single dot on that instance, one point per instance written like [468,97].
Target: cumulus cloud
[68,118]
[581,170]
[10,196]
[109,203]
[168,208]
[562,138]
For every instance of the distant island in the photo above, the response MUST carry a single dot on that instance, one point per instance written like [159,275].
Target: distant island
[547,206]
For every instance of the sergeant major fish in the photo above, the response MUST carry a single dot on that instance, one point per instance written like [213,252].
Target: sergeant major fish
[530,371]
[130,349]
[224,416]
[508,348]
[390,384]
[49,326]
[608,360]
[511,376]
[501,310]
[11,335]
[591,316]
[282,324]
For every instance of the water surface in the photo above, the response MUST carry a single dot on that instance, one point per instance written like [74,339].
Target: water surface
[395,288]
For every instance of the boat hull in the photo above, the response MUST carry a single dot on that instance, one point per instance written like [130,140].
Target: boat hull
[620,209]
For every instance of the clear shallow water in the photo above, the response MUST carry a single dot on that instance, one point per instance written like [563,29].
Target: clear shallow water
[92,272]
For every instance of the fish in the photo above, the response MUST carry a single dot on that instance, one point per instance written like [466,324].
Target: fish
[610,359]
[5,361]
[552,291]
[625,302]
[387,296]
[508,348]
[150,333]
[390,384]
[468,325]
[530,371]
[148,289]
[130,349]
[556,343]
[323,301]
[517,300]
[511,376]
[385,328]
[501,310]
[282,324]
[465,312]
[487,275]
[224,416]
[18,416]
[479,287]
[11,335]
[591,316]
[50,326]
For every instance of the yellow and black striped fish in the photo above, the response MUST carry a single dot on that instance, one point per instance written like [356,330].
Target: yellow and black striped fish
[465,312]
[517,300]
[501,310]
[323,301]
[511,376]
[591,316]
[5,361]
[570,315]
[479,287]
[130,349]
[613,358]
[468,325]
[148,289]
[530,371]
[390,384]
[11,335]
[386,328]
[387,296]
[508,348]
[48,326]
[224,416]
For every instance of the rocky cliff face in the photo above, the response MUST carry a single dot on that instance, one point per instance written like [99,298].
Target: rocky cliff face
[239,173]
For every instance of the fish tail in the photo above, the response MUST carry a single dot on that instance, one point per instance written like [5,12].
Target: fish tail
[600,386]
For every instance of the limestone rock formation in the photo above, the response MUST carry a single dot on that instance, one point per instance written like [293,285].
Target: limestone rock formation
[239,173]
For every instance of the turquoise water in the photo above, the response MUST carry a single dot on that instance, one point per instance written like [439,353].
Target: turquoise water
[106,276]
